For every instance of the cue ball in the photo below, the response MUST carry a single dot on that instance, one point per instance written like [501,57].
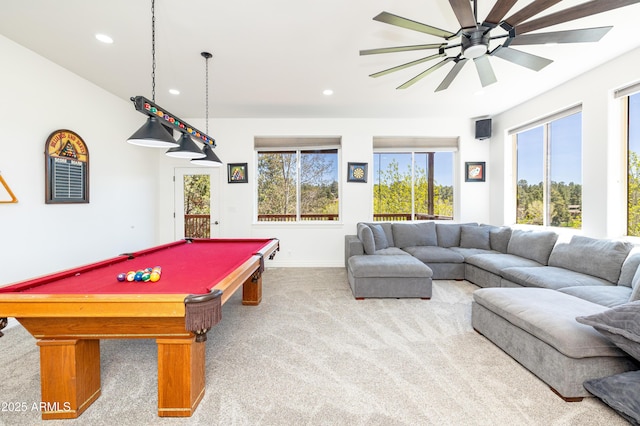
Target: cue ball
[122,277]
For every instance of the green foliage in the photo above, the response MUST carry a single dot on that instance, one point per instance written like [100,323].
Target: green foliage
[392,194]
[633,191]
[197,194]
[565,206]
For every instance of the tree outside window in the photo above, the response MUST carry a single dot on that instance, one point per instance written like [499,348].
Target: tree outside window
[298,185]
[413,186]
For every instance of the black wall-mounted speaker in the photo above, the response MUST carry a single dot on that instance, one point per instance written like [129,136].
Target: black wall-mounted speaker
[483,129]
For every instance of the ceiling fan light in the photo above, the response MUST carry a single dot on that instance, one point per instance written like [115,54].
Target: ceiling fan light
[152,134]
[187,149]
[473,52]
[210,159]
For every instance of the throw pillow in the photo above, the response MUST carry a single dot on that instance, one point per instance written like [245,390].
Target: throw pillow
[475,237]
[635,287]
[379,237]
[621,325]
[620,392]
[366,236]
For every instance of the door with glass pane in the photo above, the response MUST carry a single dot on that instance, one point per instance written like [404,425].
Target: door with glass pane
[197,202]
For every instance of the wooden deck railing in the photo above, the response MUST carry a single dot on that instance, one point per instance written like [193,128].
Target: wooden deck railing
[198,225]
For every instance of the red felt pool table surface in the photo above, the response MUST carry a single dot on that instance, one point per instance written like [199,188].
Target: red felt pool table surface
[188,266]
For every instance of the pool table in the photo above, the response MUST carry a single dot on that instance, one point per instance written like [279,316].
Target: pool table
[70,311]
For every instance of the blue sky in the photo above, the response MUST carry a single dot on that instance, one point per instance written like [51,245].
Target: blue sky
[566,151]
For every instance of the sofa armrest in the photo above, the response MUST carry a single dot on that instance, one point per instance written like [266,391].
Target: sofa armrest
[352,247]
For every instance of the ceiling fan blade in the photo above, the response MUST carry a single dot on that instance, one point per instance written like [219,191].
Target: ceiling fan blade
[407,65]
[389,18]
[460,62]
[529,11]
[401,49]
[584,35]
[423,74]
[498,11]
[526,60]
[485,70]
[464,13]
[589,8]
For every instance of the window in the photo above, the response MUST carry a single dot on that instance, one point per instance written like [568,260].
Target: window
[297,184]
[549,171]
[632,110]
[412,185]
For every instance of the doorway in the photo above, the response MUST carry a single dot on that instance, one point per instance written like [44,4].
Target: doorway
[197,202]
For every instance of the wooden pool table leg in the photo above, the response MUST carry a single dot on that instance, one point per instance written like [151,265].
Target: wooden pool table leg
[181,376]
[252,290]
[69,376]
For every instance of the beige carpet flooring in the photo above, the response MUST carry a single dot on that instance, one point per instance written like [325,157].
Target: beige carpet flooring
[312,355]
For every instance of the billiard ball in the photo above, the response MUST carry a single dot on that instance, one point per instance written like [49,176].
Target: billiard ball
[138,276]
[154,277]
[122,277]
[131,276]
[146,276]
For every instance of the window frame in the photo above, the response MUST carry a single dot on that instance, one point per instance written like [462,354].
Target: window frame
[545,123]
[413,151]
[298,149]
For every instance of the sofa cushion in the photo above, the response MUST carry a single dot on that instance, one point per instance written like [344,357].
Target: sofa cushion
[379,237]
[610,295]
[619,392]
[434,254]
[597,257]
[499,237]
[496,262]
[551,317]
[395,251]
[621,325]
[466,252]
[629,267]
[448,234]
[366,236]
[475,237]
[388,267]
[550,277]
[414,234]
[534,245]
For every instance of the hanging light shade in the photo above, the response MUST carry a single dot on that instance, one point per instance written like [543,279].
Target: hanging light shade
[187,149]
[210,159]
[152,134]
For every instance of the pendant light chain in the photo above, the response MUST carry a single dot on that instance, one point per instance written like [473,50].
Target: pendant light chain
[206,96]
[153,50]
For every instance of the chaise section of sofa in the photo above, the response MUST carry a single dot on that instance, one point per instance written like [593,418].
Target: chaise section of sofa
[538,328]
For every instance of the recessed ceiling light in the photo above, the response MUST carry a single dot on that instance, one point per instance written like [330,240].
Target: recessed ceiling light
[327,92]
[174,91]
[104,38]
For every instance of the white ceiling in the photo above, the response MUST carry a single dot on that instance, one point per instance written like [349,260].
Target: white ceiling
[274,58]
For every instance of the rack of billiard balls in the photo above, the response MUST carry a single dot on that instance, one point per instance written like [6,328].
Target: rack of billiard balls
[141,275]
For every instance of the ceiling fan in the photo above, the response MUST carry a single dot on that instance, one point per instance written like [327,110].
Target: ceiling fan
[475,37]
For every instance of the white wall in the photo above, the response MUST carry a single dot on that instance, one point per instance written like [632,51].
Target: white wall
[321,244]
[603,171]
[38,97]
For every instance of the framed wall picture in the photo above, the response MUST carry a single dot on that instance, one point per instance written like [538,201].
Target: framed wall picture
[474,171]
[357,172]
[237,173]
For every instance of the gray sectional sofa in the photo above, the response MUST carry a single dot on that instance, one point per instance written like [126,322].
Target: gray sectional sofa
[534,286]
